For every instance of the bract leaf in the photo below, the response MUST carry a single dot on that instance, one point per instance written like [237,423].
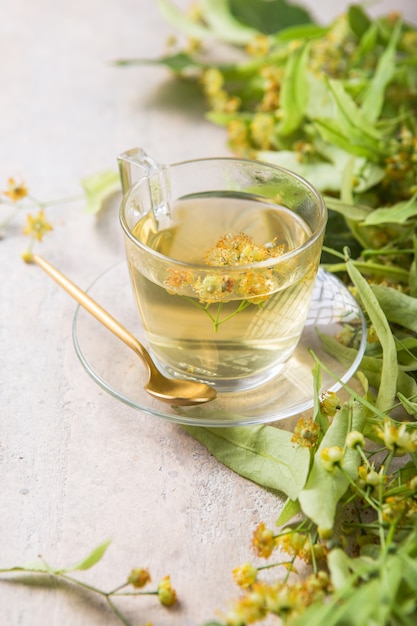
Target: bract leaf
[324,489]
[389,371]
[98,188]
[294,91]
[263,454]
[398,307]
[397,214]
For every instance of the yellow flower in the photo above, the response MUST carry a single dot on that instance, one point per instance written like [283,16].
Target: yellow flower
[262,129]
[166,594]
[355,439]
[306,432]
[259,45]
[397,438]
[292,543]
[245,575]
[212,81]
[139,577]
[16,191]
[331,457]
[263,541]
[37,226]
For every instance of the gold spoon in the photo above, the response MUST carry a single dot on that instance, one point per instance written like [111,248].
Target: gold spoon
[174,391]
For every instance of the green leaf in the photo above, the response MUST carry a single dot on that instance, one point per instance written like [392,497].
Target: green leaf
[91,559]
[351,120]
[32,566]
[389,372]
[398,307]
[290,509]
[331,132]
[324,489]
[223,23]
[409,406]
[294,91]
[373,100]
[181,22]
[269,16]
[263,454]
[177,62]
[396,214]
[98,188]
[324,176]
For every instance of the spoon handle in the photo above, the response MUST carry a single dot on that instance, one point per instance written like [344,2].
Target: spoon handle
[96,310]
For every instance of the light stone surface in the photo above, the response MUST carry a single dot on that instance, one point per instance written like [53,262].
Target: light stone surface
[77,466]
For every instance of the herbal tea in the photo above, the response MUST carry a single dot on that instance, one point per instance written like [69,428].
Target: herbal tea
[232,305]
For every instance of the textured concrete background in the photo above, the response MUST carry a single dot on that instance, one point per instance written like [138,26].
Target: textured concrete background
[77,466]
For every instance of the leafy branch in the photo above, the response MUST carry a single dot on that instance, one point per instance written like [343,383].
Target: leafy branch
[137,579]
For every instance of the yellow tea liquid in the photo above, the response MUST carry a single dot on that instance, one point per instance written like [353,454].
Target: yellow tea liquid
[239,339]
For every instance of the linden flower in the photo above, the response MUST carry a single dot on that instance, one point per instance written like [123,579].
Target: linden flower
[245,575]
[262,129]
[255,286]
[177,280]
[213,288]
[329,403]
[263,541]
[240,250]
[292,543]
[331,457]
[166,594]
[37,226]
[397,438]
[355,439]
[16,191]
[306,432]
[139,577]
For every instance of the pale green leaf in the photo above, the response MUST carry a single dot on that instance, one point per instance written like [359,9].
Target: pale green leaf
[409,405]
[373,101]
[32,566]
[396,214]
[290,509]
[324,489]
[99,187]
[223,23]
[353,212]
[91,559]
[181,22]
[324,176]
[389,371]
[351,119]
[398,307]
[294,91]
[339,566]
[263,454]
[331,132]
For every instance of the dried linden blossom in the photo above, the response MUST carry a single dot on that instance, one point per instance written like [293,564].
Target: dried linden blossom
[229,251]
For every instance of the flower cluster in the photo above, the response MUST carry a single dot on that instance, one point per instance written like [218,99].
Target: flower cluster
[251,286]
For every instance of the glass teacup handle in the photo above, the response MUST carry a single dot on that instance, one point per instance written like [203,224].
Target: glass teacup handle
[136,165]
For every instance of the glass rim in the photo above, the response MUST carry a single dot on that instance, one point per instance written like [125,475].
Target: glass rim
[202,267]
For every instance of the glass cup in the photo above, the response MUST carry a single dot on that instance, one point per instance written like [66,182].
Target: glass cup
[223,254]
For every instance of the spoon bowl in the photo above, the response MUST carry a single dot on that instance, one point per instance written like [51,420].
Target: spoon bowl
[177,392]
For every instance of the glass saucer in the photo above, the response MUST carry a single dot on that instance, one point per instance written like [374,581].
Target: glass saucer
[116,368]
